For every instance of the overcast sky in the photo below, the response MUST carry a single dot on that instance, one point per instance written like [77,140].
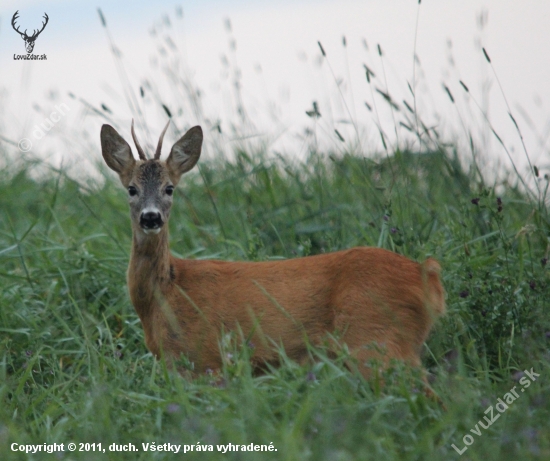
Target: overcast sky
[281,69]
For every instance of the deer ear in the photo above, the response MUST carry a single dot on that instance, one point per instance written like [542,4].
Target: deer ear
[185,153]
[116,152]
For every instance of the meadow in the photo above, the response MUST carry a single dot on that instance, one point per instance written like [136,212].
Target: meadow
[74,367]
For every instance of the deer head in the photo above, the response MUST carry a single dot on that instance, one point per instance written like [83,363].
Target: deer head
[29,41]
[150,182]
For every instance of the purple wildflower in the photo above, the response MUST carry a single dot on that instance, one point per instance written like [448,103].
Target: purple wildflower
[518,375]
[173,408]
[311,376]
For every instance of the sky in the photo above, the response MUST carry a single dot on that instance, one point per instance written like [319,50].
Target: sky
[270,50]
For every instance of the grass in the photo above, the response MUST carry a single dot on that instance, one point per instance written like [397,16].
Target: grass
[74,367]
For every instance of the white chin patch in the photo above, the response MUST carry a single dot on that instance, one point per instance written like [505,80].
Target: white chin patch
[151,231]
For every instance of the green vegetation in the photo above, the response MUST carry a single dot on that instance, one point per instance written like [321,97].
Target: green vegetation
[73,365]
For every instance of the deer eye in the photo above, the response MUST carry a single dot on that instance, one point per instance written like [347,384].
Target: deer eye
[132,191]
[169,190]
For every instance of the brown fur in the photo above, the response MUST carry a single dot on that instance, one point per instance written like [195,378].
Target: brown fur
[370,296]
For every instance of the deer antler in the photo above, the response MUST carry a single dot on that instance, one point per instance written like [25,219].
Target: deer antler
[13,19]
[159,146]
[141,154]
[36,34]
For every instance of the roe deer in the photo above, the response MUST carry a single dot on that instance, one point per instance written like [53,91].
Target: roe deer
[370,296]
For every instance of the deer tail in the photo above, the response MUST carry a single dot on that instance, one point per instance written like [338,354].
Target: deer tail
[434,290]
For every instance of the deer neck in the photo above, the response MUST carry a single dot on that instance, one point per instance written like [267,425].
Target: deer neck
[149,270]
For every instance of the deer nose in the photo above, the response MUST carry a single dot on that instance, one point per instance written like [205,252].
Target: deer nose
[150,220]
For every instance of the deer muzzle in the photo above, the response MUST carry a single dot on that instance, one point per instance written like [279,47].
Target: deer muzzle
[151,221]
